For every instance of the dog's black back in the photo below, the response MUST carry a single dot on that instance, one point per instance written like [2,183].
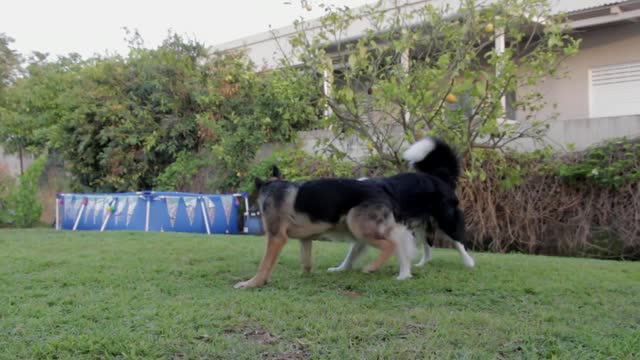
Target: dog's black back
[330,199]
[417,195]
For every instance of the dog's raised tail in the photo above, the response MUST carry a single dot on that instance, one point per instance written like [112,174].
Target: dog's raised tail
[434,157]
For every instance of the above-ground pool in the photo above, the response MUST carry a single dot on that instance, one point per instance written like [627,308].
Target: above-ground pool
[154,211]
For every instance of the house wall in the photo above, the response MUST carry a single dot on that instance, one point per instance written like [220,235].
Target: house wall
[267,48]
[568,96]
[604,46]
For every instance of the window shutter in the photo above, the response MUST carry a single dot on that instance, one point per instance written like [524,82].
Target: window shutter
[614,90]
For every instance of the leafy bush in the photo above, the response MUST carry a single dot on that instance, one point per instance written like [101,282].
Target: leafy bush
[24,208]
[7,186]
[119,122]
[179,176]
[610,165]
[254,109]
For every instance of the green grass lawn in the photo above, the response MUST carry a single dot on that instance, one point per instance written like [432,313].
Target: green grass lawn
[170,296]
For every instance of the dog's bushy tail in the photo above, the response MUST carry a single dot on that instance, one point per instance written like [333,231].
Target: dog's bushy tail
[434,157]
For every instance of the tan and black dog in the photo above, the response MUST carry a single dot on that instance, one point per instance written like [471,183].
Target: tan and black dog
[371,212]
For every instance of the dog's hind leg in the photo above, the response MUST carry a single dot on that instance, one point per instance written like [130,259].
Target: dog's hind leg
[305,254]
[467,260]
[453,229]
[375,223]
[274,247]
[371,223]
[357,249]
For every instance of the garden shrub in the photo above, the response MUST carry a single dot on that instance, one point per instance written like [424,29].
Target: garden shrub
[610,165]
[7,185]
[578,204]
[23,207]
[187,173]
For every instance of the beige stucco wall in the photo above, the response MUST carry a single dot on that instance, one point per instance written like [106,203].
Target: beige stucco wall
[569,96]
[604,46]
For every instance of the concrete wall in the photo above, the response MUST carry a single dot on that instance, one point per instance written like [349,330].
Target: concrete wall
[582,133]
[585,132]
[308,141]
[11,162]
[352,145]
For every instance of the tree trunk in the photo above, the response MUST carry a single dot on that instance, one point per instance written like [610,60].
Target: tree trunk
[21,161]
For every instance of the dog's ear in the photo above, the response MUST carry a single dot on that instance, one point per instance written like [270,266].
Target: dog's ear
[258,183]
[275,173]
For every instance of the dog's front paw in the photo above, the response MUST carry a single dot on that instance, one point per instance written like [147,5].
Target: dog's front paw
[404,276]
[337,269]
[468,261]
[242,285]
[255,281]
[251,283]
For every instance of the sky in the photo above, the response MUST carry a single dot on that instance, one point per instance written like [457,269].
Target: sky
[89,27]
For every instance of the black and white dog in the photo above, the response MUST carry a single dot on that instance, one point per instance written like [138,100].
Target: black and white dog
[429,157]
[374,212]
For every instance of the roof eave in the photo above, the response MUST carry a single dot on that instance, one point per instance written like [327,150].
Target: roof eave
[605,15]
